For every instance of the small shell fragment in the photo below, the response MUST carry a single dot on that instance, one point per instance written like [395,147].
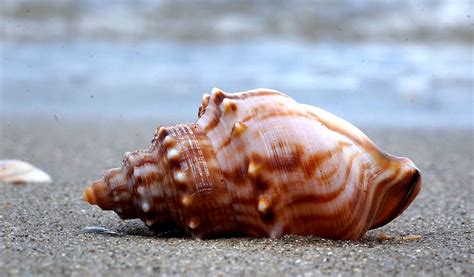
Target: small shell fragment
[383,236]
[98,230]
[20,172]
[411,237]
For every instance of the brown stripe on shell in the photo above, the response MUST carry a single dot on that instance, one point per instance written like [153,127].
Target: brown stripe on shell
[315,162]
[406,186]
[312,195]
[377,196]
[279,211]
[218,97]
[286,163]
[248,215]
[364,142]
[361,206]
[335,229]
[252,229]
[356,227]
[197,154]
[272,112]
[204,104]
[255,115]
[214,121]
[237,130]
[299,203]
[238,175]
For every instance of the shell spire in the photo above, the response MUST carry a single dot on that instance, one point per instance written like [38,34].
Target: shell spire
[258,163]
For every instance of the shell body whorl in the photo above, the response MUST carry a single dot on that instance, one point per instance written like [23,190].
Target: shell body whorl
[258,163]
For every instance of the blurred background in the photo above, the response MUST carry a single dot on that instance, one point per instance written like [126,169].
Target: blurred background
[373,62]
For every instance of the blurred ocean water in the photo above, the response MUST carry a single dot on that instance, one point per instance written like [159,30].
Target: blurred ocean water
[372,62]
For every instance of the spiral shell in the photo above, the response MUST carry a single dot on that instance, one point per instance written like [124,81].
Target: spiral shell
[258,163]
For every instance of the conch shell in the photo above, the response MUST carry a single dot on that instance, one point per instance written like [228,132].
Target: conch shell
[258,163]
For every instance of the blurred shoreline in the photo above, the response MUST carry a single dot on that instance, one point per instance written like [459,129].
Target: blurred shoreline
[381,84]
[424,21]
[370,62]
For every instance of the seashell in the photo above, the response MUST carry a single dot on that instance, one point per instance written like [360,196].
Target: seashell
[20,172]
[258,163]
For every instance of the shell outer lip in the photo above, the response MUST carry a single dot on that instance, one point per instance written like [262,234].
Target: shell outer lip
[415,188]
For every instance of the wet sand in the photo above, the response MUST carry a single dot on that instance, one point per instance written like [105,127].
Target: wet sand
[40,224]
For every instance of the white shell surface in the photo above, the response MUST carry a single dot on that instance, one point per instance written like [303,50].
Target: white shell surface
[21,172]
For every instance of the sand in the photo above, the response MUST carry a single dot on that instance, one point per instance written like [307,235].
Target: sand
[40,224]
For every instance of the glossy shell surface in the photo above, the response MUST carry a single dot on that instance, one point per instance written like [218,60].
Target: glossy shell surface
[21,172]
[258,163]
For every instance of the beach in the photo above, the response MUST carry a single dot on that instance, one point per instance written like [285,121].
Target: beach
[83,82]
[40,224]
